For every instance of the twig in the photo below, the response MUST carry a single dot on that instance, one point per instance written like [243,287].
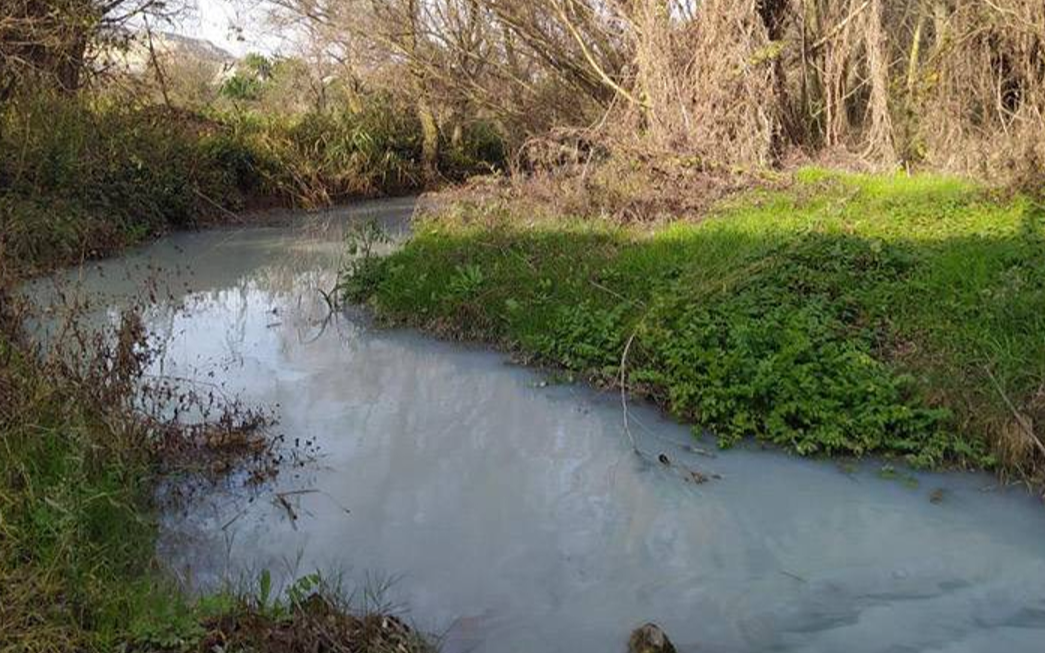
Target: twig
[232,521]
[590,58]
[296,493]
[616,294]
[839,27]
[1020,419]
[688,473]
[330,298]
[210,201]
[684,446]
[624,393]
[791,575]
[281,501]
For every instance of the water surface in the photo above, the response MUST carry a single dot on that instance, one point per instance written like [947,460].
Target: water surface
[512,513]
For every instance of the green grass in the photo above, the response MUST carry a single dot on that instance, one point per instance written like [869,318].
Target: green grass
[78,469]
[845,315]
[75,536]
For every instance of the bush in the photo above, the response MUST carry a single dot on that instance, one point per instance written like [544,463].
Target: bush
[82,179]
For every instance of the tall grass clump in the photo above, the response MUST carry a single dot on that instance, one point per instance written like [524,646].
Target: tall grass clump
[81,178]
[318,158]
[315,159]
[86,431]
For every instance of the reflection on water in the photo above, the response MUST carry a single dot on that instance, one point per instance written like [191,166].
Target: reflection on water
[513,514]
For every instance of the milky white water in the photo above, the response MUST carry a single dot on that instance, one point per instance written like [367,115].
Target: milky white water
[513,515]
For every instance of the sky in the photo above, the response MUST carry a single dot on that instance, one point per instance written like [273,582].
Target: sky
[234,25]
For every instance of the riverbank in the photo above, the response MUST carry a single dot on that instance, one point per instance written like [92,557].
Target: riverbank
[837,315]
[416,437]
[87,438]
[82,179]
[88,435]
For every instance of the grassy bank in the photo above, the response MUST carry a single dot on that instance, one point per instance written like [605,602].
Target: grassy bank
[79,458]
[86,433]
[71,538]
[82,178]
[78,461]
[841,315]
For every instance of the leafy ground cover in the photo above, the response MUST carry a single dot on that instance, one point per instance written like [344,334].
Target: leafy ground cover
[838,315]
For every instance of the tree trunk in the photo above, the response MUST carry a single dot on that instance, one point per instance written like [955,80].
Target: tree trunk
[69,64]
[880,135]
[429,140]
[774,15]
[425,114]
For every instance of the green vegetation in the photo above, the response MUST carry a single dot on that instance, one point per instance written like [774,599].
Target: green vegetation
[81,454]
[83,175]
[843,315]
[80,179]
[72,538]
[75,536]
[839,315]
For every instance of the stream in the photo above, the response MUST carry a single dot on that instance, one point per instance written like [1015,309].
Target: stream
[507,513]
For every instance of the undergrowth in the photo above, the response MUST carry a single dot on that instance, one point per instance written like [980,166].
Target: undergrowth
[88,428]
[82,178]
[85,431]
[842,315]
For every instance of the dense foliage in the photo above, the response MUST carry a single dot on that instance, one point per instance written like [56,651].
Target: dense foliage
[723,85]
[842,315]
[81,178]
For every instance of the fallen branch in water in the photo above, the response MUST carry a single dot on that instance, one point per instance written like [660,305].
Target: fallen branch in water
[689,474]
[624,393]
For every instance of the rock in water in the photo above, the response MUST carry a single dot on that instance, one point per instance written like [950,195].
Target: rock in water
[649,638]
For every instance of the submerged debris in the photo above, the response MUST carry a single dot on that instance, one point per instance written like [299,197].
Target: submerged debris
[689,474]
[650,638]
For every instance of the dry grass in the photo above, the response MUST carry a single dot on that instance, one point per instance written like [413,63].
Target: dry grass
[85,432]
[984,103]
[315,624]
[740,86]
[645,190]
[705,87]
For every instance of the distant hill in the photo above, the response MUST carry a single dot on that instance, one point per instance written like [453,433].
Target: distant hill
[201,49]
[134,58]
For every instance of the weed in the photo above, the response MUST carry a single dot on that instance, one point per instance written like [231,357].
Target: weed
[466,282]
[356,278]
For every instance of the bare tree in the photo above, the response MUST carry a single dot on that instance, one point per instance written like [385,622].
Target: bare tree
[725,84]
[48,41]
